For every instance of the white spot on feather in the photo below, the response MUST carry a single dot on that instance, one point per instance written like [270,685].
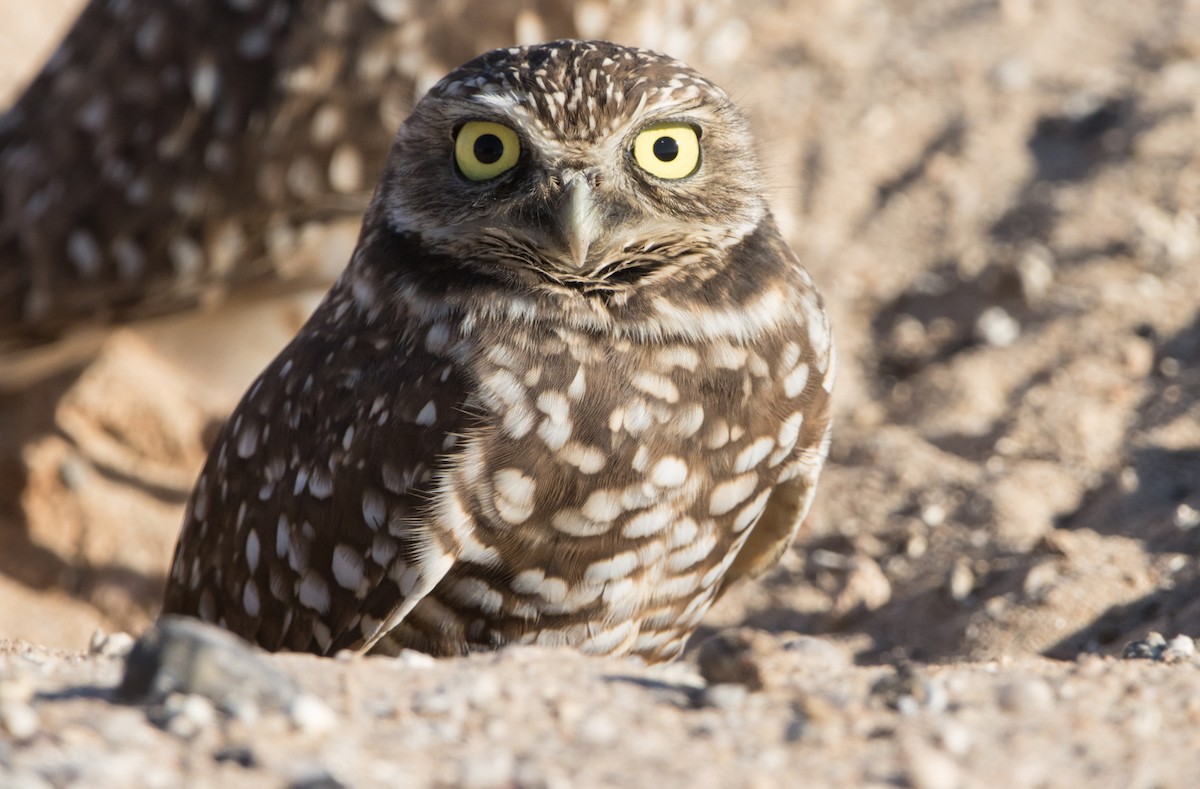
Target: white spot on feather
[584,457]
[575,523]
[252,551]
[651,521]
[618,566]
[504,388]
[751,512]
[789,431]
[554,434]
[514,495]
[247,441]
[656,385]
[603,505]
[251,603]
[687,420]
[281,536]
[437,337]
[754,454]
[320,484]
[347,567]
[636,417]
[428,414]
[578,386]
[313,592]
[691,554]
[731,493]
[670,472]
[677,356]
[795,381]
[609,641]
[374,509]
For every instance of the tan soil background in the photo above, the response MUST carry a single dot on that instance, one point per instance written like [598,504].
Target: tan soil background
[999,201]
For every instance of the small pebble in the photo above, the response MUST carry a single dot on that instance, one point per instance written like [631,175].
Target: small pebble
[908,691]
[1186,517]
[1040,579]
[865,588]
[19,720]
[962,580]
[997,328]
[1151,647]
[410,659]
[933,515]
[311,715]
[241,755]
[1025,695]
[189,716]
[735,656]
[956,738]
[1179,648]
[725,696]
[1036,272]
[110,644]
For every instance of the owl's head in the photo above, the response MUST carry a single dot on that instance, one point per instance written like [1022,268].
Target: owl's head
[575,164]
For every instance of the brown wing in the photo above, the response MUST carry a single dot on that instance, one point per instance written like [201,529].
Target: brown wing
[803,369]
[304,531]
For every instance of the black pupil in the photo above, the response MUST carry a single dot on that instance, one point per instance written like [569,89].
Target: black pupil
[488,148]
[666,149]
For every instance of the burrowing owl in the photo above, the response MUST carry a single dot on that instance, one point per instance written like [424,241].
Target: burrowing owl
[571,386]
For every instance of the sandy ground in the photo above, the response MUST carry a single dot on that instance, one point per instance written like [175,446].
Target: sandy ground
[535,718]
[999,203]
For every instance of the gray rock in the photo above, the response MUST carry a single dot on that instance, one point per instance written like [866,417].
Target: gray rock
[189,657]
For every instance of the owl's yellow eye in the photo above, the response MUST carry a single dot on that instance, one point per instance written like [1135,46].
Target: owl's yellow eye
[669,150]
[483,150]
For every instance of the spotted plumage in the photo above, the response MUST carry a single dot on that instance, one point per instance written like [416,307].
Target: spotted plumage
[562,396]
[172,153]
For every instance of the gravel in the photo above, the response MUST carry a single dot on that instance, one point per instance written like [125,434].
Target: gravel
[538,717]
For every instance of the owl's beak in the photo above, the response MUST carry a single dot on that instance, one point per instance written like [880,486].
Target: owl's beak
[577,214]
